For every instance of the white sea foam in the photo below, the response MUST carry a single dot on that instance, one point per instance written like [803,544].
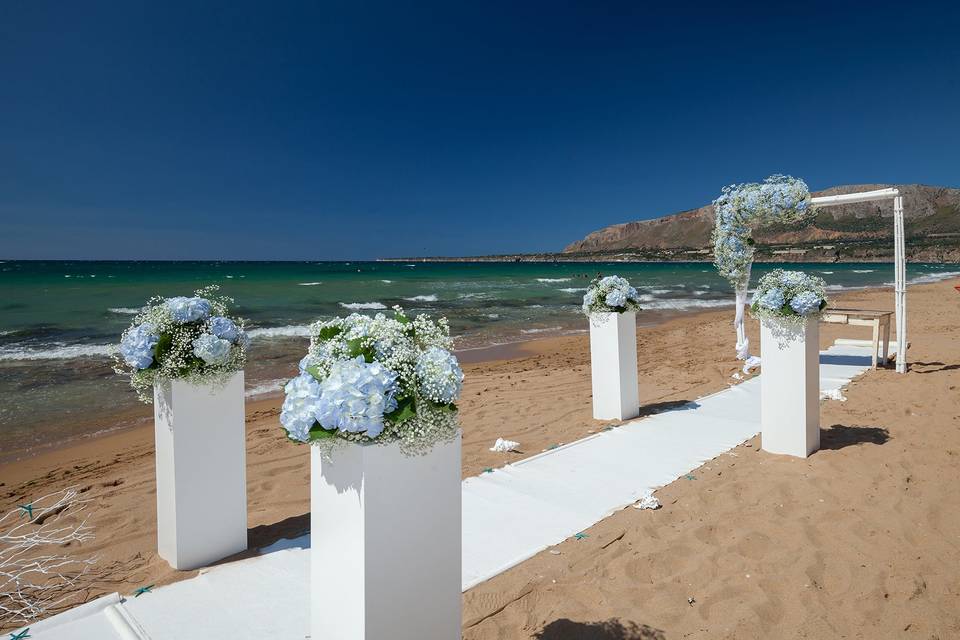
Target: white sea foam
[289,331]
[493,316]
[659,291]
[550,280]
[934,277]
[573,289]
[863,270]
[309,284]
[827,272]
[681,304]
[229,276]
[543,330]
[430,298]
[265,388]
[129,311]
[58,352]
[356,306]
[386,281]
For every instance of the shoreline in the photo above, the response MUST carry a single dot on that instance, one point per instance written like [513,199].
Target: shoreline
[134,420]
[140,416]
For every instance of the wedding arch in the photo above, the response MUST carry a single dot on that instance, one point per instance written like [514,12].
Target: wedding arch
[784,199]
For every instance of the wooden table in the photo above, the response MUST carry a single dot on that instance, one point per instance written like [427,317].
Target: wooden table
[864,318]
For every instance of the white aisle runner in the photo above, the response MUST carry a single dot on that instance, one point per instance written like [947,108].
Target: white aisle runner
[509,516]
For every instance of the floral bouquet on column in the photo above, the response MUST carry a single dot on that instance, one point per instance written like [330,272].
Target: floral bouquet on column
[384,379]
[610,294]
[193,339]
[186,356]
[789,296]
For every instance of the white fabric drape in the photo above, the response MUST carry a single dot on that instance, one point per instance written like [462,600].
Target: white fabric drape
[743,342]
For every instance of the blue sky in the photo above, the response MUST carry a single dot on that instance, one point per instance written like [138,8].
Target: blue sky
[355,130]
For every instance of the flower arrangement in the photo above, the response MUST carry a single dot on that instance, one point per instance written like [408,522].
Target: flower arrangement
[610,294]
[188,338]
[744,207]
[789,295]
[376,379]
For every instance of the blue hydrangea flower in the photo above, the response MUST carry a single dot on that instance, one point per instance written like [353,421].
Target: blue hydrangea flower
[356,395]
[224,328]
[306,361]
[806,303]
[300,406]
[616,298]
[772,299]
[188,309]
[439,375]
[589,298]
[211,349]
[137,346]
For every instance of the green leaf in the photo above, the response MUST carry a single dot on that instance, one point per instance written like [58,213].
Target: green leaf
[161,349]
[401,318]
[326,333]
[319,433]
[314,370]
[357,348]
[406,409]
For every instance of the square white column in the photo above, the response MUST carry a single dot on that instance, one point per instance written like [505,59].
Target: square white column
[201,471]
[385,543]
[613,365]
[790,387]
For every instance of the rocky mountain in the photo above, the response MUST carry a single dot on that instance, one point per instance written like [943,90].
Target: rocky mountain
[844,232]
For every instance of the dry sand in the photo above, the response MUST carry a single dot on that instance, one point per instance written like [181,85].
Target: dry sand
[862,540]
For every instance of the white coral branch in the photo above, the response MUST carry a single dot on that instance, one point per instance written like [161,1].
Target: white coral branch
[36,578]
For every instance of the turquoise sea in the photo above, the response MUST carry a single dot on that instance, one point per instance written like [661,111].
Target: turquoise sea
[59,321]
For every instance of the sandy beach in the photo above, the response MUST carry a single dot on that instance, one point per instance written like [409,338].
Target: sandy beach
[862,540]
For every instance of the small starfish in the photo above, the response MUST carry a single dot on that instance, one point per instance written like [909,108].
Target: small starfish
[27,509]
[689,477]
[20,636]
[581,536]
[488,470]
[142,590]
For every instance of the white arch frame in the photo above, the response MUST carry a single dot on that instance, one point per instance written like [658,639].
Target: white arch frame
[900,259]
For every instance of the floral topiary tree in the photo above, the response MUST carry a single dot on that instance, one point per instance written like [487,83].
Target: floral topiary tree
[741,209]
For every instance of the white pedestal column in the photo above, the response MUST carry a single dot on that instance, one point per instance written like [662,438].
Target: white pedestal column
[201,472]
[790,388]
[385,544]
[613,365]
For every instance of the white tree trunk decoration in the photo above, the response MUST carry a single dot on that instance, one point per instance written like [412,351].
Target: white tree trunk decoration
[36,578]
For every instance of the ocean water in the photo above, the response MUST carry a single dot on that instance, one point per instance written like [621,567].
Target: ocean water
[60,321]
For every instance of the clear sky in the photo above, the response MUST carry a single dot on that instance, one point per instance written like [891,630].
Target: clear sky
[351,130]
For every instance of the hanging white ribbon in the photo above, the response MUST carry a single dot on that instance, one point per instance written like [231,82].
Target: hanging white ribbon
[743,342]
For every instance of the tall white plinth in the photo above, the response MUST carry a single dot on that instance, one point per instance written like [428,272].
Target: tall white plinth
[613,365]
[201,472]
[790,388]
[385,540]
